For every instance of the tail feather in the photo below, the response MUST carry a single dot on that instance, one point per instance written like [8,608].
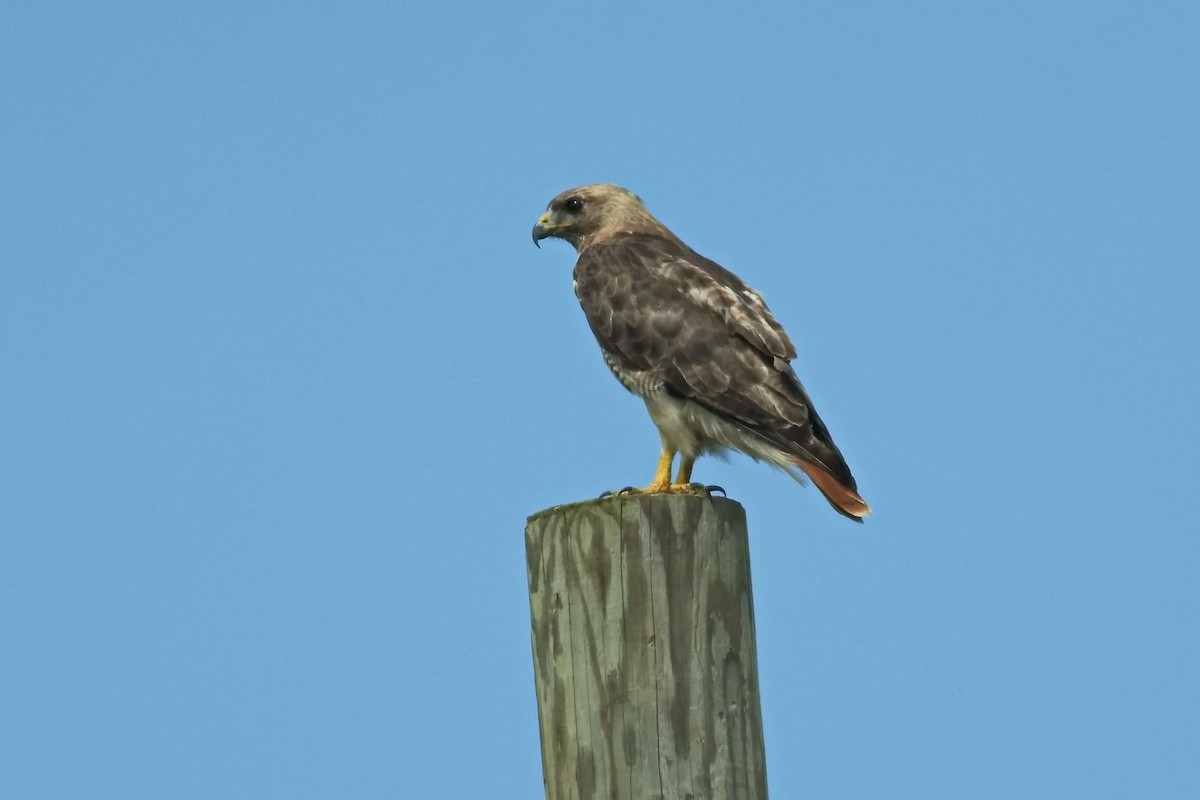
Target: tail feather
[844,500]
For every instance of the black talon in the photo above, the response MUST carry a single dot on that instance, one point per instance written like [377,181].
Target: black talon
[715,488]
[616,492]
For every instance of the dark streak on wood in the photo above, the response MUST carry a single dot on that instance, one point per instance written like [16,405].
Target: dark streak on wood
[644,651]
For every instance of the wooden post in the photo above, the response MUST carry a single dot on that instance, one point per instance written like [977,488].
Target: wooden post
[643,650]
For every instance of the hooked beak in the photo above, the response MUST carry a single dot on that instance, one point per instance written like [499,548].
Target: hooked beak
[541,229]
[545,228]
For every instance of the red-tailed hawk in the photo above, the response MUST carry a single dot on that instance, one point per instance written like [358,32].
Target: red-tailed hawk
[696,343]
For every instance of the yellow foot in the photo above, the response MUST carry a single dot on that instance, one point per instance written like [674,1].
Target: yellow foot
[694,489]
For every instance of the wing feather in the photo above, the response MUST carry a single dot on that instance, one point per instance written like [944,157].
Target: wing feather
[665,316]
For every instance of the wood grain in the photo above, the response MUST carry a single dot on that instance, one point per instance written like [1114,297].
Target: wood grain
[644,651]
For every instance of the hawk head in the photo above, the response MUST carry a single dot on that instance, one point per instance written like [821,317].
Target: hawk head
[578,214]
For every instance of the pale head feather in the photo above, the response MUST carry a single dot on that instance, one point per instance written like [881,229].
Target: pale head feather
[604,210]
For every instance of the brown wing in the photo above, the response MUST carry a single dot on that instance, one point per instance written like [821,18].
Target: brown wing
[706,336]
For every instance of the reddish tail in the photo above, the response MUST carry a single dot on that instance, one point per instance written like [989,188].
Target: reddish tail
[844,500]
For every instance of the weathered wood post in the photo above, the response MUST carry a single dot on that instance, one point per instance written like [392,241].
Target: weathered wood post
[643,650]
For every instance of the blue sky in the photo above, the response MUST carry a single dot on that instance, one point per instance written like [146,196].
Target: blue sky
[283,376]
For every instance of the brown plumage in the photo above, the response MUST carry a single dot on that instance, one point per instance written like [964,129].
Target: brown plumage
[695,342]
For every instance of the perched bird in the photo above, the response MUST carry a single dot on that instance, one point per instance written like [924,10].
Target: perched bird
[696,343]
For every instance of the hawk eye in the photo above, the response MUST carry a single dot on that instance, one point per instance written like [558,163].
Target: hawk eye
[574,205]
